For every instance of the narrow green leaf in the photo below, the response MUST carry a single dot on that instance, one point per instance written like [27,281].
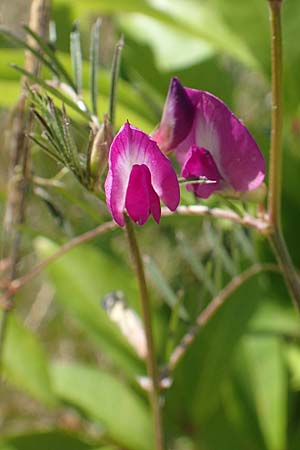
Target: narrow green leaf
[45,147]
[245,243]
[9,34]
[76,56]
[54,61]
[195,263]
[267,376]
[114,80]
[94,64]
[25,362]
[52,90]
[106,399]
[215,238]
[163,286]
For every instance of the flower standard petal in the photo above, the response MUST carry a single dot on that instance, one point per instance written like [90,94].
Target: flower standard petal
[199,163]
[177,117]
[131,147]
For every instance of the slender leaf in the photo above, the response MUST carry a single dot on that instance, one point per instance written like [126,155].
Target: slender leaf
[267,376]
[94,64]
[195,263]
[52,90]
[76,56]
[163,287]
[114,79]
[54,61]
[8,33]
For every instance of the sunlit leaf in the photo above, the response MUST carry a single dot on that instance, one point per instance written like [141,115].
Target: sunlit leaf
[106,399]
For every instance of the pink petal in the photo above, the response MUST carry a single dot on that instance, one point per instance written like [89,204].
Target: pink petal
[130,147]
[141,199]
[199,163]
[234,150]
[177,118]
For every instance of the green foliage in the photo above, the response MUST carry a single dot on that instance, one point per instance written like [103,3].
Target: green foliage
[80,289]
[107,400]
[47,440]
[26,364]
[238,384]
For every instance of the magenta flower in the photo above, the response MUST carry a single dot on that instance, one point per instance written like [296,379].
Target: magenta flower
[138,176]
[209,141]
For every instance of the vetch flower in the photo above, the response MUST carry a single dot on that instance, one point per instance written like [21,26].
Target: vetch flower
[209,141]
[139,176]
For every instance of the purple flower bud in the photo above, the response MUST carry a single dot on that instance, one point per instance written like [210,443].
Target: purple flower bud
[139,176]
[215,131]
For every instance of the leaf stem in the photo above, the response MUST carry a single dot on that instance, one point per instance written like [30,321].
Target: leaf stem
[151,359]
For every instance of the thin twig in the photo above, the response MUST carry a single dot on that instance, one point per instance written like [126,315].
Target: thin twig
[85,237]
[260,225]
[213,307]
[197,210]
[154,392]
[15,207]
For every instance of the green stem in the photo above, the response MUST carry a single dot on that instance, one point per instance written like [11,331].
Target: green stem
[275,182]
[284,260]
[151,360]
[275,178]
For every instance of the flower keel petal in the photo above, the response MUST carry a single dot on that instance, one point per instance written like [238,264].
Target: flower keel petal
[199,163]
[141,199]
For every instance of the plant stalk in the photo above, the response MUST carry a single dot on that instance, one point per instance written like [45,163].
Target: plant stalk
[146,313]
[19,165]
[276,237]
[275,174]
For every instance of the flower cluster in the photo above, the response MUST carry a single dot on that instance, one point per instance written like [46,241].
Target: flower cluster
[209,142]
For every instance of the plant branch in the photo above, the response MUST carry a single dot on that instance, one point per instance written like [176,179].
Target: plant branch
[16,284]
[146,313]
[195,210]
[213,307]
[260,225]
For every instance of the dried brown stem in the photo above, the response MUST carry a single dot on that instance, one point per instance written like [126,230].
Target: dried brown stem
[19,162]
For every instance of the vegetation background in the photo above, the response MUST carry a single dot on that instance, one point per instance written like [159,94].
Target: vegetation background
[69,375]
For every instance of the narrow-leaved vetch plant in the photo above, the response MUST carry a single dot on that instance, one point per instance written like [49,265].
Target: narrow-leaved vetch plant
[215,153]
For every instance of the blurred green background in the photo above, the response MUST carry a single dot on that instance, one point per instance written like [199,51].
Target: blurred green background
[70,376]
